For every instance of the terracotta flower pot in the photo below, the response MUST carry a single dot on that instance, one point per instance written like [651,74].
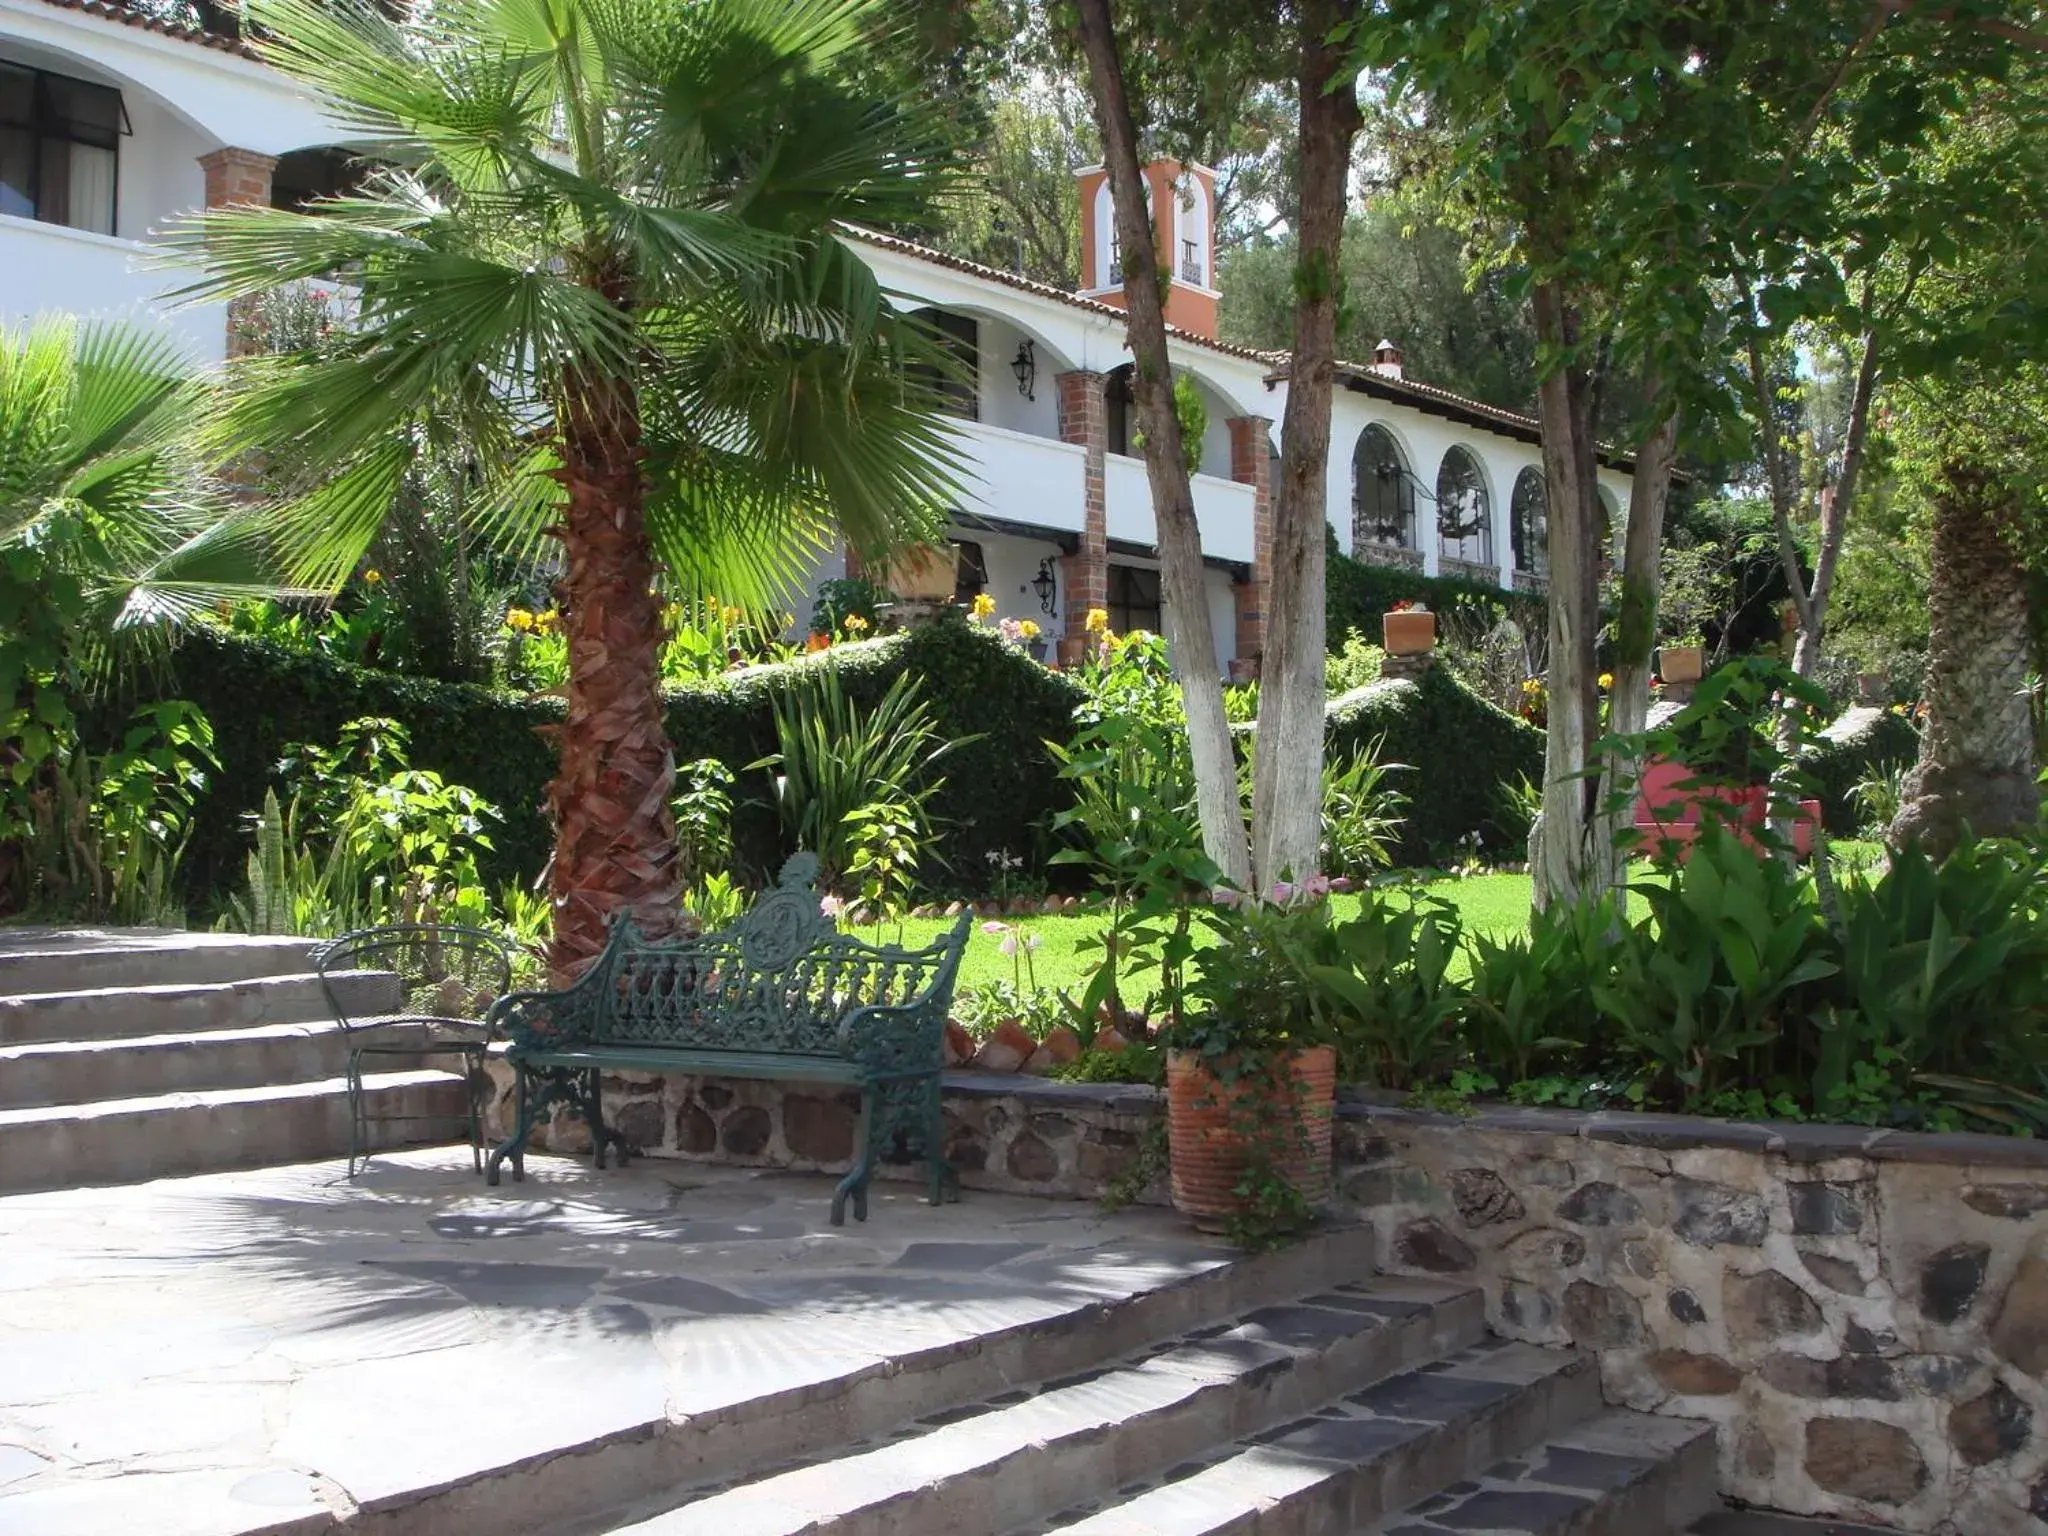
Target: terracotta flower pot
[1207,1149]
[924,573]
[1680,663]
[1411,632]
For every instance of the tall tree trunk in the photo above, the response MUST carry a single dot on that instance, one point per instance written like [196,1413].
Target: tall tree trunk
[1566,859]
[1834,511]
[1183,582]
[1976,764]
[615,836]
[1287,792]
[1628,710]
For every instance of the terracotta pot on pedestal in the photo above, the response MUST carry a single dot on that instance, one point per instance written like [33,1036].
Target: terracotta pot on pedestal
[1680,663]
[1207,1150]
[1408,632]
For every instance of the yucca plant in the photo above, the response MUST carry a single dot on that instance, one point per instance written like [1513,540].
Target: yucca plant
[601,241]
[837,759]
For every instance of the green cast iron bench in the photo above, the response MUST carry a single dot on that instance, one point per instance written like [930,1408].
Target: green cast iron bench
[781,994]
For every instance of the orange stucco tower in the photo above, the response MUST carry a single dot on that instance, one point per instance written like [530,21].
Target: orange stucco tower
[1183,203]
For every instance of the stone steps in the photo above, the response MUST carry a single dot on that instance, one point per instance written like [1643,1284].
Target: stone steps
[120,1141]
[69,960]
[989,1466]
[1366,1456]
[1616,1474]
[65,1072]
[1756,1522]
[1373,1407]
[132,1054]
[117,1012]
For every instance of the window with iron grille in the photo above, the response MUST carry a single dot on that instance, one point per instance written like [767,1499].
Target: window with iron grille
[59,148]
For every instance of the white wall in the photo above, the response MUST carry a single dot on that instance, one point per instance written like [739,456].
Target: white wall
[47,269]
[1002,404]
[1223,617]
[1024,479]
[226,98]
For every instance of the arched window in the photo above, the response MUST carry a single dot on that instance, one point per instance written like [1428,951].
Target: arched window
[1191,229]
[1529,516]
[1109,260]
[1382,491]
[1464,515]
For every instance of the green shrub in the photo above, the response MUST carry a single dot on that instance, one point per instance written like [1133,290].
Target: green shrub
[1458,749]
[1358,593]
[1863,741]
[1000,789]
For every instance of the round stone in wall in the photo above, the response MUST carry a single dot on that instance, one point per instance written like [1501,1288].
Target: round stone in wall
[746,1131]
[1864,1459]
[1427,1244]
[1482,1198]
[641,1123]
[695,1131]
[1600,1204]
[1991,1427]
[1031,1161]
[1951,1281]
[1767,1307]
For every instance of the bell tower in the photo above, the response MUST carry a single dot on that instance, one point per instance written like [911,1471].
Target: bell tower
[1182,202]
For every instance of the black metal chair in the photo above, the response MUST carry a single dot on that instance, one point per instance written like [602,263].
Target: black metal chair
[412,990]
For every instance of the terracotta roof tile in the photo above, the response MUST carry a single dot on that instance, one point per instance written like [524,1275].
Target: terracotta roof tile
[129,17]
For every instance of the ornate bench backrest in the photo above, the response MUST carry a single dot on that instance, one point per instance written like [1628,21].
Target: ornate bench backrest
[779,979]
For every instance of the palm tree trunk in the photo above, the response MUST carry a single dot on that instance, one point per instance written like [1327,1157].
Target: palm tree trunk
[615,836]
[1976,764]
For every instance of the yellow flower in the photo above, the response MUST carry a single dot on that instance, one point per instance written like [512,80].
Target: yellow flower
[1029,629]
[732,616]
[984,605]
[1606,681]
[854,624]
[519,619]
[546,620]
[372,577]
[1531,685]
[1097,622]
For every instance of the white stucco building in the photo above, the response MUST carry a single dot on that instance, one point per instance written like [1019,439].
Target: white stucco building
[114,119]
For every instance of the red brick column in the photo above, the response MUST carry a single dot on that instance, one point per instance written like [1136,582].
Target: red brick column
[235,177]
[1251,463]
[1084,575]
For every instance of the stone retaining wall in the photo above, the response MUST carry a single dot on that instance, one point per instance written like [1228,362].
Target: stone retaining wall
[1863,1313]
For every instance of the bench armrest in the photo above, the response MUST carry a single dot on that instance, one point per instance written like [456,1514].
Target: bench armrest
[544,1020]
[895,1039]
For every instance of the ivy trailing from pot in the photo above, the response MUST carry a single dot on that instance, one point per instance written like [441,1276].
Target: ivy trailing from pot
[1251,1070]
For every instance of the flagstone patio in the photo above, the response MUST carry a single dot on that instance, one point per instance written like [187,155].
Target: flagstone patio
[277,1350]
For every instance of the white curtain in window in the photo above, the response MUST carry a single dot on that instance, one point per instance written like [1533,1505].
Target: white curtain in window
[91,189]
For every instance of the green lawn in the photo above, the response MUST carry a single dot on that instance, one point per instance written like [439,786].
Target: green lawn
[1490,904]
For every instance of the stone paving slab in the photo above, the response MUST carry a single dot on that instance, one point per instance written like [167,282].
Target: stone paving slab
[282,1350]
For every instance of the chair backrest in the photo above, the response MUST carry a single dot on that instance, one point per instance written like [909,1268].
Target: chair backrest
[778,979]
[413,973]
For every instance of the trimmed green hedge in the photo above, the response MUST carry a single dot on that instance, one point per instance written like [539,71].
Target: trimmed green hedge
[1358,593]
[1863,739]
[999,791]
[1460,752]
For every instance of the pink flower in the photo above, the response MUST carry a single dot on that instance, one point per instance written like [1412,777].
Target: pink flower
[1223,896]
[1316,887]
[1282,892]
[1341,884]
[1009,944]
[830,906]
[1032,941]
[994,930]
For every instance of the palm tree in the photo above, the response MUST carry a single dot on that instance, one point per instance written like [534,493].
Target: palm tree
[1976,766]
[601,244]
[109,533]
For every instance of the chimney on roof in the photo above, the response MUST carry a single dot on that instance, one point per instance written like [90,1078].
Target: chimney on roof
[1182,202]
[1386,360]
